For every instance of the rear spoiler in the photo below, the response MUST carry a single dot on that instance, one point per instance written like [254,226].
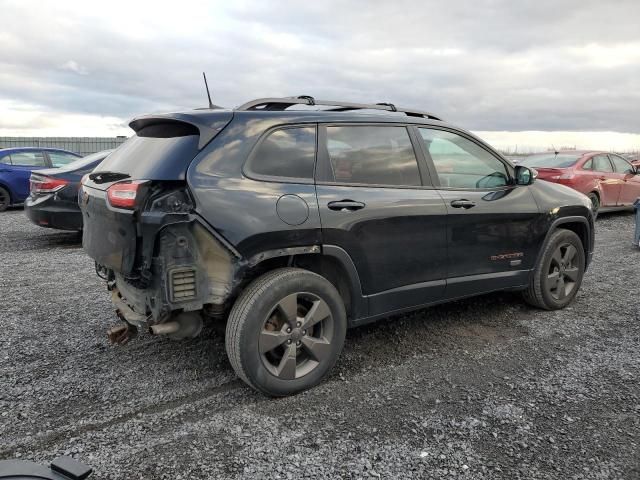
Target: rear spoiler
[209,123]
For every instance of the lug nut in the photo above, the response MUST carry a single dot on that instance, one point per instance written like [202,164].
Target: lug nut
[288,342]
[298,343]
[288,330]
[304,332]
[299,323]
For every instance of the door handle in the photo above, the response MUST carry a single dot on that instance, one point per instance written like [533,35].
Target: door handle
[603,178]
[463,203]
[345,205]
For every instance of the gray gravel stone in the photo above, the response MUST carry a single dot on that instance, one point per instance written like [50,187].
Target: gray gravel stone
[483,388]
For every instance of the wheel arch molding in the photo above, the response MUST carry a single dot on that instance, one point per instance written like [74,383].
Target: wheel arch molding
[580,225]
[329,261]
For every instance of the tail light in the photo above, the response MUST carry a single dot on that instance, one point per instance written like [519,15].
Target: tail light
[564,176]
[46,184]
[123,194]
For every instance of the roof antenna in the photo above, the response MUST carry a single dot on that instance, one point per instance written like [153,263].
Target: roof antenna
[211,105]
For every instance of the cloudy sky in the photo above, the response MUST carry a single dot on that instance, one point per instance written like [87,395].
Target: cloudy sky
[523,73]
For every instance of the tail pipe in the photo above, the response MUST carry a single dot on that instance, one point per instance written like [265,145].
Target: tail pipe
[164,328]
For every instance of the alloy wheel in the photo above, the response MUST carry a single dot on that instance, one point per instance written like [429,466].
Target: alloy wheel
[563,271]
[294,338]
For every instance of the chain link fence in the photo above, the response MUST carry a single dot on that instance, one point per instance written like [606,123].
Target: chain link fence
[80,145]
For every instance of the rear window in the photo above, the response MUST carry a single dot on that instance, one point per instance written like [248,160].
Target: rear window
[87,161]
[148,157]
[550,160]
[61,159]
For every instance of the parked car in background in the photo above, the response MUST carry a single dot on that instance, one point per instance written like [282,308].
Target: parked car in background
[610,181]
[53,201]
[294,225]
[16,165]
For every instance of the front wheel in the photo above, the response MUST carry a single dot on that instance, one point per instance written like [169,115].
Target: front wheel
[558,275]
[286,331]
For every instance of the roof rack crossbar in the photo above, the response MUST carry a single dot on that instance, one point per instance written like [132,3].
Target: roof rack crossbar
[282,103]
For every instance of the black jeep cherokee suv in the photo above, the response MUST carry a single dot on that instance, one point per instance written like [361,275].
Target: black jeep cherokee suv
[297,224]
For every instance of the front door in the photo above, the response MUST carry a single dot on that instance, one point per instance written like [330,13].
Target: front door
[376,203]
[491,222]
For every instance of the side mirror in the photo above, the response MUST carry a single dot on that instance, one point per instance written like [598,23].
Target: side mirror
[525,175]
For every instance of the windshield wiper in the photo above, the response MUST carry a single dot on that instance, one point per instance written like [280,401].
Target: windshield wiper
[104,177]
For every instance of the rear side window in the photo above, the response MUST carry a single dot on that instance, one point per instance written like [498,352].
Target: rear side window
[59,159]
[601,163]
[6,159]
[461,163]
[372,155]
[28,159]
[286,153]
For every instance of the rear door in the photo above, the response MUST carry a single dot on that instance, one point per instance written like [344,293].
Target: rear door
[23,163]
[630,182]
[491,223]
[377,204]
[610,183]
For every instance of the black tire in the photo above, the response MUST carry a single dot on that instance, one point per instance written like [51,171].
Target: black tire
[5,199]
[558,275]
[265,313]
[595,201]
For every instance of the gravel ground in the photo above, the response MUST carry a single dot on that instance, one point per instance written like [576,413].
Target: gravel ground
[483,388]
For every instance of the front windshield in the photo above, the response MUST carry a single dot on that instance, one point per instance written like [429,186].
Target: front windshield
[551,160]
[88,160]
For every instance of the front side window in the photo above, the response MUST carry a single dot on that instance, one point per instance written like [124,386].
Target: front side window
[287,153]
[601,163]
[6,159]
[461,163]
[588,165]
[372,155]
[28,159]
[59,159]
[620,165]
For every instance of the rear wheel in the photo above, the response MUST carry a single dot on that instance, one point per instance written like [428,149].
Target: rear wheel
[286,331]
[595,202]
[5,199]
[558,275]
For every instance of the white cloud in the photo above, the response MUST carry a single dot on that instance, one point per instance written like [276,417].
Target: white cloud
[73,66]
[490,65]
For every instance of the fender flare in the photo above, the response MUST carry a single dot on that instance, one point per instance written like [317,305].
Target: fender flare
[359,304]
[563,220]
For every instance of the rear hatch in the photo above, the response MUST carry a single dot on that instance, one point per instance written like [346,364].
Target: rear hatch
[160,152]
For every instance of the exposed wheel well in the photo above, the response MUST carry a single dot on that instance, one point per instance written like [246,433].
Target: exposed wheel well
[323,265]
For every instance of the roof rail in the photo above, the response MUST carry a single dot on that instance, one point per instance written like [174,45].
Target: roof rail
[282,103]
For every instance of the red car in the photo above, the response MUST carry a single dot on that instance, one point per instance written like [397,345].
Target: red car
[610,181]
